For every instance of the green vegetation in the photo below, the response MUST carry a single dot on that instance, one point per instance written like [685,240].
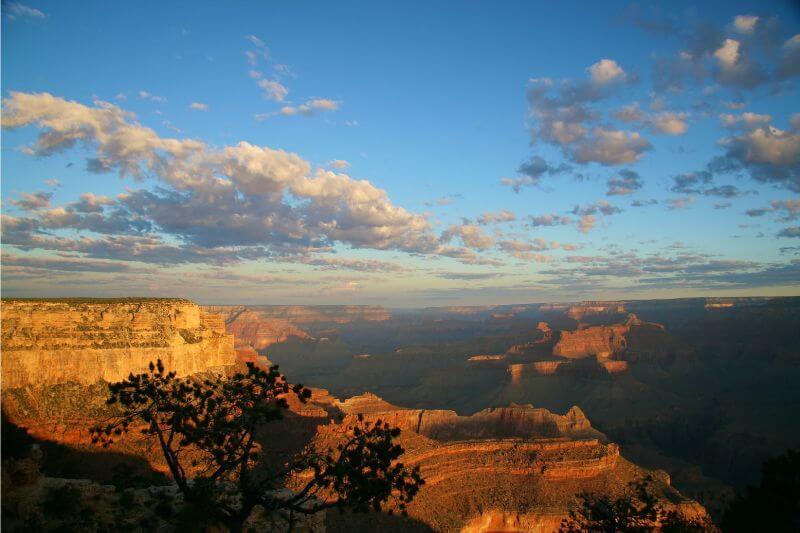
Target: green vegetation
[217,419]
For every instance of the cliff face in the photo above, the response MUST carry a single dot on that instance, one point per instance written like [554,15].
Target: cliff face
[261,326]
[46,342]
[255,329]
[306,315]
[600,341]
[515,468]
[522,421]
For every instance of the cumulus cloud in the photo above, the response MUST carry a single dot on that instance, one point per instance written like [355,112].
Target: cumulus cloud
[789,63]
[531,172]
[623,183]
[735,68]
[272,90]
[310,108]
[563,115]
[526,251]
[787,210]
[606,71]
[769,154]
[741,55]
[610,147]
[470,235]
[504,215]
[745,23]
[630,113]
[198,106]
[33,201]
[745,120]
[268,202]
[669,123]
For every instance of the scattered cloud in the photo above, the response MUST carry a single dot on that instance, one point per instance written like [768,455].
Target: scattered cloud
[15,10]
[504,215]
[198,106]
[624,182]
[145,95]
[33,201]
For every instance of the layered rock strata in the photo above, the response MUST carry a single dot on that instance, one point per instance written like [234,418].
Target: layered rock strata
[47,342]
[600,341]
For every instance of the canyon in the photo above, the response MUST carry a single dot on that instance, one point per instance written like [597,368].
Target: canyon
[662,382]
[523,465]
[46,342]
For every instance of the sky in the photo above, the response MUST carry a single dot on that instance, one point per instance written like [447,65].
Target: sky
[402,154]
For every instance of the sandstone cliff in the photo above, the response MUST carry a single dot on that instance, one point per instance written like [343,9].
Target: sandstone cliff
[514,468]
[306,315]
[46,342]
[600,341]
[253,328]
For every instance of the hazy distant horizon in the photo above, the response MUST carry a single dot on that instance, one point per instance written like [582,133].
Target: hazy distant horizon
[446,154]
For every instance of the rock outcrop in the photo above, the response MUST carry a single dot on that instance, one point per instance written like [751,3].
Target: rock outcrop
[301,315]
[255,329]
[599,341]
[514,468]
[47,342]
[578,312]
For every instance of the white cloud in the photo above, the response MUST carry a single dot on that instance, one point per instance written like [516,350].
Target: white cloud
[15,10]
[470,235]
[745,23]
[728,54]
[606,71]
[310,108]
[610,147]
[198,106]
[670,123]
[273,90]
[263,200]
[504,215]
[145,95]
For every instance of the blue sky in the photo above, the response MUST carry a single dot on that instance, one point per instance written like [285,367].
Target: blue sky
[478,127]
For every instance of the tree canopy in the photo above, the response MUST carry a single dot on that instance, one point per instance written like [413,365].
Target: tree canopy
[207,430]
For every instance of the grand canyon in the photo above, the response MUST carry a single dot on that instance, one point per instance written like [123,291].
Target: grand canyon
[510,411]
[357,266]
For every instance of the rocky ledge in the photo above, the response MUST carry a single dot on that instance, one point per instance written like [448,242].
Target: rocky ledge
[46,342]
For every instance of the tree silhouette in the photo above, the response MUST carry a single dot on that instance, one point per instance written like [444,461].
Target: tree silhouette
[637,510]
[207,427]
[774,505]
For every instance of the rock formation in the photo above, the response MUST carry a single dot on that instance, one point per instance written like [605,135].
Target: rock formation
[578,312]
[46,342]
[255,329]
[599,341]
[306,315]
[513,468]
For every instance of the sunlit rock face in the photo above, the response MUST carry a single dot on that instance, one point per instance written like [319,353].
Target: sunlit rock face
[515,468]
[256,330]
[47,342]
[261,326]
[600,341]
